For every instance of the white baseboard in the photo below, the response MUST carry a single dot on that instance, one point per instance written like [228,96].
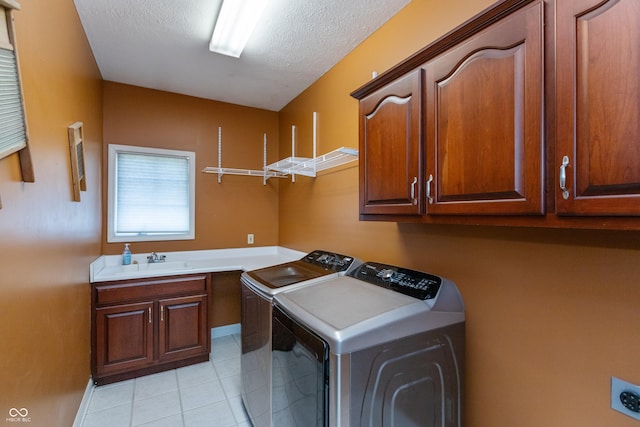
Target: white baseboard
[84,405]
[222,331]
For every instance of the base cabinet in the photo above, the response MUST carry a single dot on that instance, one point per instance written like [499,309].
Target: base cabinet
[148,325]
[124,337]
[183,327]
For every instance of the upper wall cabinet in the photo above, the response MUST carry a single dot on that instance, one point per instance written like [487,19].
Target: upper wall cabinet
[390,164]
[529,116]
[484,115]
[598,107]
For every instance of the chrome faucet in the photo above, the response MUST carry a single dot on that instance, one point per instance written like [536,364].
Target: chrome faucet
[155,258]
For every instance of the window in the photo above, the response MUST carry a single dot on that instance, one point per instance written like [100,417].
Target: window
[151,194]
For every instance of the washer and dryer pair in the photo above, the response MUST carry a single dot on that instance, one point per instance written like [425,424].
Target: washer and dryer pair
[370,345]
[258,290]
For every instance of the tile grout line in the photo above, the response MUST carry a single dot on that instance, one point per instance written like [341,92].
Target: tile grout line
[235,417]
[133,401]
[216,377]
[180,398]
[161,393]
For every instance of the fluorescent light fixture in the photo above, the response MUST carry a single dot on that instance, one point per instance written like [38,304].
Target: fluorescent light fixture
[236,21]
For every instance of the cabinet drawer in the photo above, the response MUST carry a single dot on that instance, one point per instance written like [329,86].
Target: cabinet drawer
[139,289]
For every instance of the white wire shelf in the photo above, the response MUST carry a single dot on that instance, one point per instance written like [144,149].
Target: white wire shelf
[264,173]
[310,167]
[246,172]
[290,166]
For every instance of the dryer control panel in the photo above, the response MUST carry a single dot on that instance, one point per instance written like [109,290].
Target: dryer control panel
[414,283]
[329,260]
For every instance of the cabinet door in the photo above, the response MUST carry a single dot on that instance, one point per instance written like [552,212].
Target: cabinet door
[484,119]
[598,107]
[390,149]
[124,337]
[183,330]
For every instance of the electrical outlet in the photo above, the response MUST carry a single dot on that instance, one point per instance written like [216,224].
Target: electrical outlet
[625,397]
[250,239]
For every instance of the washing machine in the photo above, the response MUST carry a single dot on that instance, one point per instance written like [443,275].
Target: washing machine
[381,346]
[258,289]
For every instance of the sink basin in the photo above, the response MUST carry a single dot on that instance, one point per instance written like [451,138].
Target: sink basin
[161,266]
[144,269]
[202,263]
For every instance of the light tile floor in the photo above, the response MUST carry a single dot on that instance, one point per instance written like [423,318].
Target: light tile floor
[206,394]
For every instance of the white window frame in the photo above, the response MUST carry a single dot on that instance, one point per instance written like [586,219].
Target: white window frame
[113,151]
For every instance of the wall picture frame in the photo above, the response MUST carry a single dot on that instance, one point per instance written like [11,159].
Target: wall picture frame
[76,150]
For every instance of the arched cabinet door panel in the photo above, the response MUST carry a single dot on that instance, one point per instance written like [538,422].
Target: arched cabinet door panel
[390,149]
[484,121]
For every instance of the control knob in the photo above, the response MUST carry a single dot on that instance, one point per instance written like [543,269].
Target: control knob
[386,274]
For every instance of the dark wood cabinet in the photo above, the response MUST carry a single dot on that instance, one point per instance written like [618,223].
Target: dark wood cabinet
[528,117]
[144,326]
[598,107]
[484,116]
[183,330]
[390,148]
[124,337]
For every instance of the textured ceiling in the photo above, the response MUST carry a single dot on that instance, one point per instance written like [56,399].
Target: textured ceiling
[163,44]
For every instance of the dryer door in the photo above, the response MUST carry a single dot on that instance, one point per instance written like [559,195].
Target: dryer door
[300,374]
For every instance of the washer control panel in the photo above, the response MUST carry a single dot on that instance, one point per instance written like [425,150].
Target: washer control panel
[329,260]
[414,283]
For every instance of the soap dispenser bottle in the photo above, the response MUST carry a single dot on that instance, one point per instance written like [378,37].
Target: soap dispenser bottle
[126,255]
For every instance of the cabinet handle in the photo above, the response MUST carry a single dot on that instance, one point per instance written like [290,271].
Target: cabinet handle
[162,313]
[563,177]
[429,181]
[149,314]
[413,190]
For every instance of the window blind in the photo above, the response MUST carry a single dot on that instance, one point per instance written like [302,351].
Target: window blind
[152,194]
[12,127]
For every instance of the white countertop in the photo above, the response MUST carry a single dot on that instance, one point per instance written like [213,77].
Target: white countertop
[109,267]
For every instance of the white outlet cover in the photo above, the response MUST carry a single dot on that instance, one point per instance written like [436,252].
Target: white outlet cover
[617,387]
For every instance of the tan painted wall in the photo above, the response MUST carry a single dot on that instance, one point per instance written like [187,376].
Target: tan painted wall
[551,314]
[225,212]
[546,309]
[47,240]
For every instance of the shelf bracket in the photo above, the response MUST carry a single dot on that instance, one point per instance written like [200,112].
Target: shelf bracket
[265,173]
[310,167]
[293,149]
[220,155]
